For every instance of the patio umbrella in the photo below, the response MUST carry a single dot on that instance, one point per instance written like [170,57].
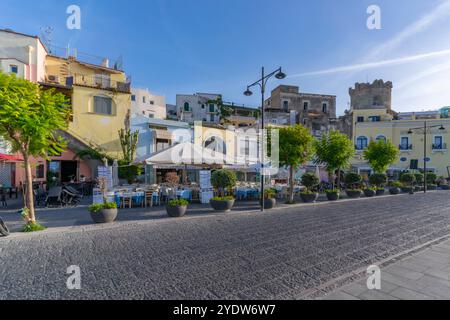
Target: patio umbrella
[186,153]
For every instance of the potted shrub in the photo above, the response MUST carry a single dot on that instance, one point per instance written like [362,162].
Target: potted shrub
[105,212]
[353,183]
[269,198]
[223,181]
[177,208]
[379,181]
[407,180]
[418,185]
[395,188]
[310,181]
[222,204]
[431,181]
[332,194]
[369,192]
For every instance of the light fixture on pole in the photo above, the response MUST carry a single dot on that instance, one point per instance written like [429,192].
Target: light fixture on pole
[279,74]
[425,129]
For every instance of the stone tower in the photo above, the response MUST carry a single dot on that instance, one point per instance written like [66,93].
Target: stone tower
[377,95]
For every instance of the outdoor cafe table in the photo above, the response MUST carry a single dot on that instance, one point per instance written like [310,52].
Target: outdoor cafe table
[184,194]
[136,196]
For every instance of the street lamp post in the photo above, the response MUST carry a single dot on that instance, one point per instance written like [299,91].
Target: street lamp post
[425,129]
[262,84]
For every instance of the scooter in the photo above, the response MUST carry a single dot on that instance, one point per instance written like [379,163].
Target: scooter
[4,232]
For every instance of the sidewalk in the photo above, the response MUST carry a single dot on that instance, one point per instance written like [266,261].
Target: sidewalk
[423,276]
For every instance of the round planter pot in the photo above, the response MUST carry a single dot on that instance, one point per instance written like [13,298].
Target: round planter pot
[222,205]
[369,193]
[176,211]
[380,192]
[104,216]
[353,194]
[333,196]
[269,203]
[309,197]
[445,187]
[394,190]
[407,189]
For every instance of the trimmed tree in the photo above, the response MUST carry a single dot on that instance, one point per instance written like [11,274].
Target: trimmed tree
[380,155]
[29,119]
[223,180]
[334,150]
[296,148]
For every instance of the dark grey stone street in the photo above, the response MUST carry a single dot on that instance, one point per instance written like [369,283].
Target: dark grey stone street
[286,253]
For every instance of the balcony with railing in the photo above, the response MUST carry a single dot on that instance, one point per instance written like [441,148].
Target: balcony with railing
[98,82]
[439,147]
[405,147]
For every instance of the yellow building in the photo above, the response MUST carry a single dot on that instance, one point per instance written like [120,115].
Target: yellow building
[404,130]
[100,97]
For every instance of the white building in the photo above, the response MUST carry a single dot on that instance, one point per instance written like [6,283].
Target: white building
[198,107]
[146,104]
[23,55]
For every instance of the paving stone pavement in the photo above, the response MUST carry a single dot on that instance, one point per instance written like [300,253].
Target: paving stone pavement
[289,253]
[422,276]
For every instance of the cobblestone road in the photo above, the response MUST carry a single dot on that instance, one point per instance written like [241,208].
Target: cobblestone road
[282,254]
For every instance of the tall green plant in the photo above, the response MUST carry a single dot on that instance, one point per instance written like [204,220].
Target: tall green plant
[380,155]
[29,119]
[129,141]
[295,149]
[334,150]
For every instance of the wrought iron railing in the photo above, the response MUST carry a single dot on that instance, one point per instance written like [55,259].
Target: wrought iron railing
[99,82]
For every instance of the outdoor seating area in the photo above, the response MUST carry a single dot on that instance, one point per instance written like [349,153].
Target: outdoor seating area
[151,195]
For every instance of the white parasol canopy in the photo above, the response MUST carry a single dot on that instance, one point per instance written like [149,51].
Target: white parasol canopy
[187,153]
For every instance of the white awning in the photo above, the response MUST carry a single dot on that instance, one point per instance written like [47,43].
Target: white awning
[189,153]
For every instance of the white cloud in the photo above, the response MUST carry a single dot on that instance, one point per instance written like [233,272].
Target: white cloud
[377,64]
[438,13]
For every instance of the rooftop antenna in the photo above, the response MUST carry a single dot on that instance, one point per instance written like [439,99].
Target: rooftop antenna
[46,35]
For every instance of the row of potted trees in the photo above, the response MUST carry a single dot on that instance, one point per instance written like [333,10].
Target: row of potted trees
[355,187]
[224,181]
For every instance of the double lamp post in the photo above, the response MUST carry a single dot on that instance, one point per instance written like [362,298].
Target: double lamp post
[426,129]
[262,82]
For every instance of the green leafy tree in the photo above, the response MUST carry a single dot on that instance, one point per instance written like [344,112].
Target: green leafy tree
[223,180]
[380,155]
[295,149]
[129,141]
[29,119]
[334,150]
[353,180]
[310,181]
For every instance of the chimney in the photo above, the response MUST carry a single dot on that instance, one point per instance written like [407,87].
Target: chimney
[105,63]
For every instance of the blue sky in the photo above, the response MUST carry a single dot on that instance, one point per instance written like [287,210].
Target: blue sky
[219,46]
